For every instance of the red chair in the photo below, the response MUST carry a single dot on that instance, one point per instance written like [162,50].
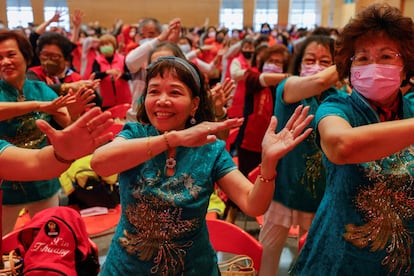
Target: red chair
[229,238]
[115,129]
[232,138]
[119,111]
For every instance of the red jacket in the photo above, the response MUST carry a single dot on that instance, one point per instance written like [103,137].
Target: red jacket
[71,76]
[236,108]
[113,91]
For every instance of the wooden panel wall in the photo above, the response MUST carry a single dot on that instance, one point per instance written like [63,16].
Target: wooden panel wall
[192,13]
[195,12]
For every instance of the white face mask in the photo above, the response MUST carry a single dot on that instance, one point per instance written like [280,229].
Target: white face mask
[376,82]
[185,48]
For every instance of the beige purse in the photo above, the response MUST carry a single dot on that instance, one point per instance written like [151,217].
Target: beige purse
[13,265]
[239,265]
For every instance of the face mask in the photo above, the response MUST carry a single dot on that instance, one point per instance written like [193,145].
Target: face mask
[247,55]
[220,39]
[212,34]
[267,31]
[52,68]
[107,50]
[310,70]
[271,68]
[376,82]
[185,48]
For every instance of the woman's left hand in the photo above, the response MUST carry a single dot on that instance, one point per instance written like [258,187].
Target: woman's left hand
[276,145]
[83,100]
[82,137]
[221,94]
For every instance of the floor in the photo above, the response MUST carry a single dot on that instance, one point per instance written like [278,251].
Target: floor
[249,224]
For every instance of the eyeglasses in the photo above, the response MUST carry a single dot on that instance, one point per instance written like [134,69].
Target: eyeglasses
[51,56]
[384,57]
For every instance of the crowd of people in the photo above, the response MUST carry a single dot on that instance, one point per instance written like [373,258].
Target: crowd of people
[325,114]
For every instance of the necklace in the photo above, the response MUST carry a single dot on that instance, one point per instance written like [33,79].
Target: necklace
[21,98]
[170,165]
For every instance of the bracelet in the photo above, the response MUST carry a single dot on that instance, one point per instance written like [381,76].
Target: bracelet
[61,159]
[149,151]
[222,117]
[166,139]
[63,88]
[267,180]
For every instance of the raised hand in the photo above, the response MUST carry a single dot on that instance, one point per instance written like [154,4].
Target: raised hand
[276,145]
[221,93]
[54,107]
[82,100]
[81,137]
[203,133]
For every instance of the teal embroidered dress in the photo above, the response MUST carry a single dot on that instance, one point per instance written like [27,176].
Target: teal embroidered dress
[364,224]
[300,181]
[23,132]
[162,229]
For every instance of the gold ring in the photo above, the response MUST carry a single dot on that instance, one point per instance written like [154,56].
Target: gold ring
[209,128]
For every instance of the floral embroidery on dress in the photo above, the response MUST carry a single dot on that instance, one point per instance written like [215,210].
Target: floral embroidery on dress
[386,206]
[28,135]
[159,224]
[314,168]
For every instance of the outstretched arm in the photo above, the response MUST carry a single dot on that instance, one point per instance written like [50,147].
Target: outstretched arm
[116,156]
[77,140]
[255,199]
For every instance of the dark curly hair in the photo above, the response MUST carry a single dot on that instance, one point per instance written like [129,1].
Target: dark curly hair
[53,38]
[374,20]
[180,69]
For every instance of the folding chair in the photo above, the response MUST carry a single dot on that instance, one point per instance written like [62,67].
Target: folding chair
[229,238]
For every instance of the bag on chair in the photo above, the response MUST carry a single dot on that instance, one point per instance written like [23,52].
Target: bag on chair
[55,242]
[239,265]
[95,192]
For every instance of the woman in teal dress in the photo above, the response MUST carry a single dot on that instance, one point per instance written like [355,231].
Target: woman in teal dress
[169,162]
[300,187]
[365,224]
[22,102]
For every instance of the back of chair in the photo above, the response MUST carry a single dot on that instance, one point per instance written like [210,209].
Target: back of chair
[119,111]
[230,238]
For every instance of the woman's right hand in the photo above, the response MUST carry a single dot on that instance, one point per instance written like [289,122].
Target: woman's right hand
[202,133]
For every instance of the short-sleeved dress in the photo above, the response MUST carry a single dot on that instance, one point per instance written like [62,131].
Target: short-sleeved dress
[301,177]
[23,132]
[364,224]
[162,229]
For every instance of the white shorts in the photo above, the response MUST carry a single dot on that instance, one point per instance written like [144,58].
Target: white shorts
[279,214]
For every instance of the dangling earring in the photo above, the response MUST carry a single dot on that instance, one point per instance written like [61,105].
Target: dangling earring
[193,120]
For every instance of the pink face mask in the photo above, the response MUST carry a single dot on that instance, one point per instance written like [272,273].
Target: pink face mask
[376,82]
[310,70]
[271,68]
